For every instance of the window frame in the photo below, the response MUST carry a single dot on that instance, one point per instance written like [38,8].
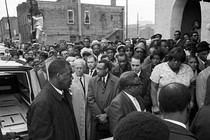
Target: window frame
[68,18]
[85,17]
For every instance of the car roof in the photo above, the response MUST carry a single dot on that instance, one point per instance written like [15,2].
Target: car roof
[12,65]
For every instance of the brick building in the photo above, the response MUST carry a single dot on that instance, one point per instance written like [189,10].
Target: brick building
[71,20]
[4,28]
[171,15]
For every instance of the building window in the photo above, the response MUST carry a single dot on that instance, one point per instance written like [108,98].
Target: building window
[6,25]
[87,17]
[70,14]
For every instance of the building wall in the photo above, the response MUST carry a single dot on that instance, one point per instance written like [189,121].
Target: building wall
[103,19]
[5,28]
[169,17]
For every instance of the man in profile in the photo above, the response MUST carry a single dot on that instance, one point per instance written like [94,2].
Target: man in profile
[128,100]
[174,102]
[51,114]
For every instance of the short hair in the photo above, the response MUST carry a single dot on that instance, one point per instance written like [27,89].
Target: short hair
[157,52]
[141,126]
[127,79]
[178,54]
[106,64]
[57,66]
[177,31]
[136,57]
[79,60]
[87,38]
[160,41]
[174,97]
[62,49]
[104,56]
[92,56]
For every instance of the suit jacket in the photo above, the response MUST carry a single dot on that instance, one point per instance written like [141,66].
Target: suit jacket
[178,132]
[79,101]
[145,93]
[120,106]
[100,96]
[51,117]
[201,123]
[93,74]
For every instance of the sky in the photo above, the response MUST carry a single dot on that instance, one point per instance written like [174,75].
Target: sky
[145,8]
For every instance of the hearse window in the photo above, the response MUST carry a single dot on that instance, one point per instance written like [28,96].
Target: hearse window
[15,83]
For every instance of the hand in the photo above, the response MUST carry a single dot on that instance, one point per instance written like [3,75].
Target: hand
[102,117]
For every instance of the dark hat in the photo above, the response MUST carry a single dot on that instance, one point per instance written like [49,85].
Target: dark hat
[203,46]
[141,125]
[110,47]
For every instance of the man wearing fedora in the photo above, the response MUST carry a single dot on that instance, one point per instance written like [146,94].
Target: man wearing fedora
[202,53]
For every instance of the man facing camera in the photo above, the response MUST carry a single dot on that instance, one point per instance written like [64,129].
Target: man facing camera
[128,100]
[174,100]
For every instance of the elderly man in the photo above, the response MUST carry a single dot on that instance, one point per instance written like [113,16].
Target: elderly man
[51,114]
[79,90]
[128,100]
[174,100]
[102,89]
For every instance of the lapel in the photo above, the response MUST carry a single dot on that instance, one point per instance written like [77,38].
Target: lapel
[128,100]
[100,83]
[78,83]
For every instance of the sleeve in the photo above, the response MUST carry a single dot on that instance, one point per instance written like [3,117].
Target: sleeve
[95,110]
[39,122]
[155,75]
[200,90]
[115,114]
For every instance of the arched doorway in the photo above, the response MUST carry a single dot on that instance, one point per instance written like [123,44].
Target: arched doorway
[191,13]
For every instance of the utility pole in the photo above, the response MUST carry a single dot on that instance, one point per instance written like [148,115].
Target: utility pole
[126,18]
[32,20]
[10,34]
[137,24]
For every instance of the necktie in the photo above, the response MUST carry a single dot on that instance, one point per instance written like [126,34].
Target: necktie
[91,72]
[80,78]
[137,105]
[103,80]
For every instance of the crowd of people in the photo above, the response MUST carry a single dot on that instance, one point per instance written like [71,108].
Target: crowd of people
[106,81]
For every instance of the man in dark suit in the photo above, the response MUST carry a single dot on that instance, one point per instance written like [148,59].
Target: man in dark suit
[91,66]
[51,114]
[144,76]
[102,89]
[201,124]
[174,102]
[128,100]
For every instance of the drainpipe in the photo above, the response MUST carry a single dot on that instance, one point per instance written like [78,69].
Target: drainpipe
[79,19]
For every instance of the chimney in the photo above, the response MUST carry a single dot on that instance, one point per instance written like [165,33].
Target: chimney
[113,2]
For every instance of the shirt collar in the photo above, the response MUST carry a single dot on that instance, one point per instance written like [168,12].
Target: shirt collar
[139,73]
[58,90]
[176,122]
[105,77]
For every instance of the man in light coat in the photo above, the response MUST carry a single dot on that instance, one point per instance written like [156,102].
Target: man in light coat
[79,90]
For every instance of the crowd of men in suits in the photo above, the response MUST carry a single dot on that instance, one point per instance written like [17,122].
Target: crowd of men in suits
[91,92]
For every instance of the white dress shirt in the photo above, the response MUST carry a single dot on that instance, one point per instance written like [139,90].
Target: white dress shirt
[176,122]
[134,100]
